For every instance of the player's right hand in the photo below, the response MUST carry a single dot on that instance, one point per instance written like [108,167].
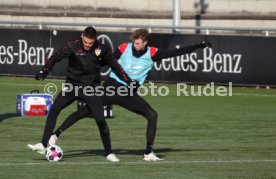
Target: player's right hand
[41,75]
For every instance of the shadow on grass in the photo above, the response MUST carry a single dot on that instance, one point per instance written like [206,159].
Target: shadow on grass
[6,116]
[84,153]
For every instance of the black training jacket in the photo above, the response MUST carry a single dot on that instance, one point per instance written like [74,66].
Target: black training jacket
[84,66]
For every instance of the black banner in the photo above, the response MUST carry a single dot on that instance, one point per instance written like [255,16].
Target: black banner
[241,60]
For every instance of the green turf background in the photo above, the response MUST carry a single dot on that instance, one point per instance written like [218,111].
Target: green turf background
[199,137]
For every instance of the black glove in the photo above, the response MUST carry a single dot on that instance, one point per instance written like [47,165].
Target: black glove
[41,75]
[204,44]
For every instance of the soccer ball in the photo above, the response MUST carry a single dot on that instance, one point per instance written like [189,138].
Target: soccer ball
[53,153]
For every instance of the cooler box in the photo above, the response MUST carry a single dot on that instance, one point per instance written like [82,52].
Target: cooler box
[33,104]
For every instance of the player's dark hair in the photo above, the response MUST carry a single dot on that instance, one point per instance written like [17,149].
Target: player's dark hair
[90,32]
[140,33]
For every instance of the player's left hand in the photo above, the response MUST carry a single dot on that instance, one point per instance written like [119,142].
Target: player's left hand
[204,44]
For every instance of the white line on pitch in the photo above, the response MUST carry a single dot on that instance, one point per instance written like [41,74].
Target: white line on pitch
[141,162]
[25,84]
[234,94]
[173,91]
[261,95]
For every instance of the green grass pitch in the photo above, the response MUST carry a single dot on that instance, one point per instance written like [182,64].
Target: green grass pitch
[198,137]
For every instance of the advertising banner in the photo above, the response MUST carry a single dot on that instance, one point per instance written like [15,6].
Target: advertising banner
[242,60]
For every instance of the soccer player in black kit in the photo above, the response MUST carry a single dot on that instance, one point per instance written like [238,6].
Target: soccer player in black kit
[86,56]
[137,59]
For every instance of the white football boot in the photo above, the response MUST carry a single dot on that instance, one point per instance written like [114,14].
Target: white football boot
[112,158]
[53,139]
[39,148]
[151,157]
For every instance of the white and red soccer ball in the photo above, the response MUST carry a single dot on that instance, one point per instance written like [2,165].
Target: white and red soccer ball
[53,153]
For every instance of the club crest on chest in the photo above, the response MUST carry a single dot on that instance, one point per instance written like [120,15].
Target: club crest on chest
[98,51]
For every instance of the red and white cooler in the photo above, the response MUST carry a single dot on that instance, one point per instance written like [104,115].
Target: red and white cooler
[33,104]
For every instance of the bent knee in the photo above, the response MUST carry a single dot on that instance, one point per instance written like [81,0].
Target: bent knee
[154,115]
[151,115]
[55,109]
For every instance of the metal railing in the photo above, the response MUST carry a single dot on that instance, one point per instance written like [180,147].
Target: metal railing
[206,29]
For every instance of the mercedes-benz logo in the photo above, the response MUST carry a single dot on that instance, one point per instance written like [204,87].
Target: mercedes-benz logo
[107,41]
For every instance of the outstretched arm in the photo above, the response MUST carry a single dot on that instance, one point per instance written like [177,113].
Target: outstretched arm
[62,53]
[110,60]
[160,54]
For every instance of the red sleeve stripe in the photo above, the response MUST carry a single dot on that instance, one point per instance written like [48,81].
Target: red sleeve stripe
[71,42]
[122,71]
[45,69]
[123,47]
[153,51]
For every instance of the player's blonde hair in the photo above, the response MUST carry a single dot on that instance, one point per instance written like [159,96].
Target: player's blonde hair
[140,34]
